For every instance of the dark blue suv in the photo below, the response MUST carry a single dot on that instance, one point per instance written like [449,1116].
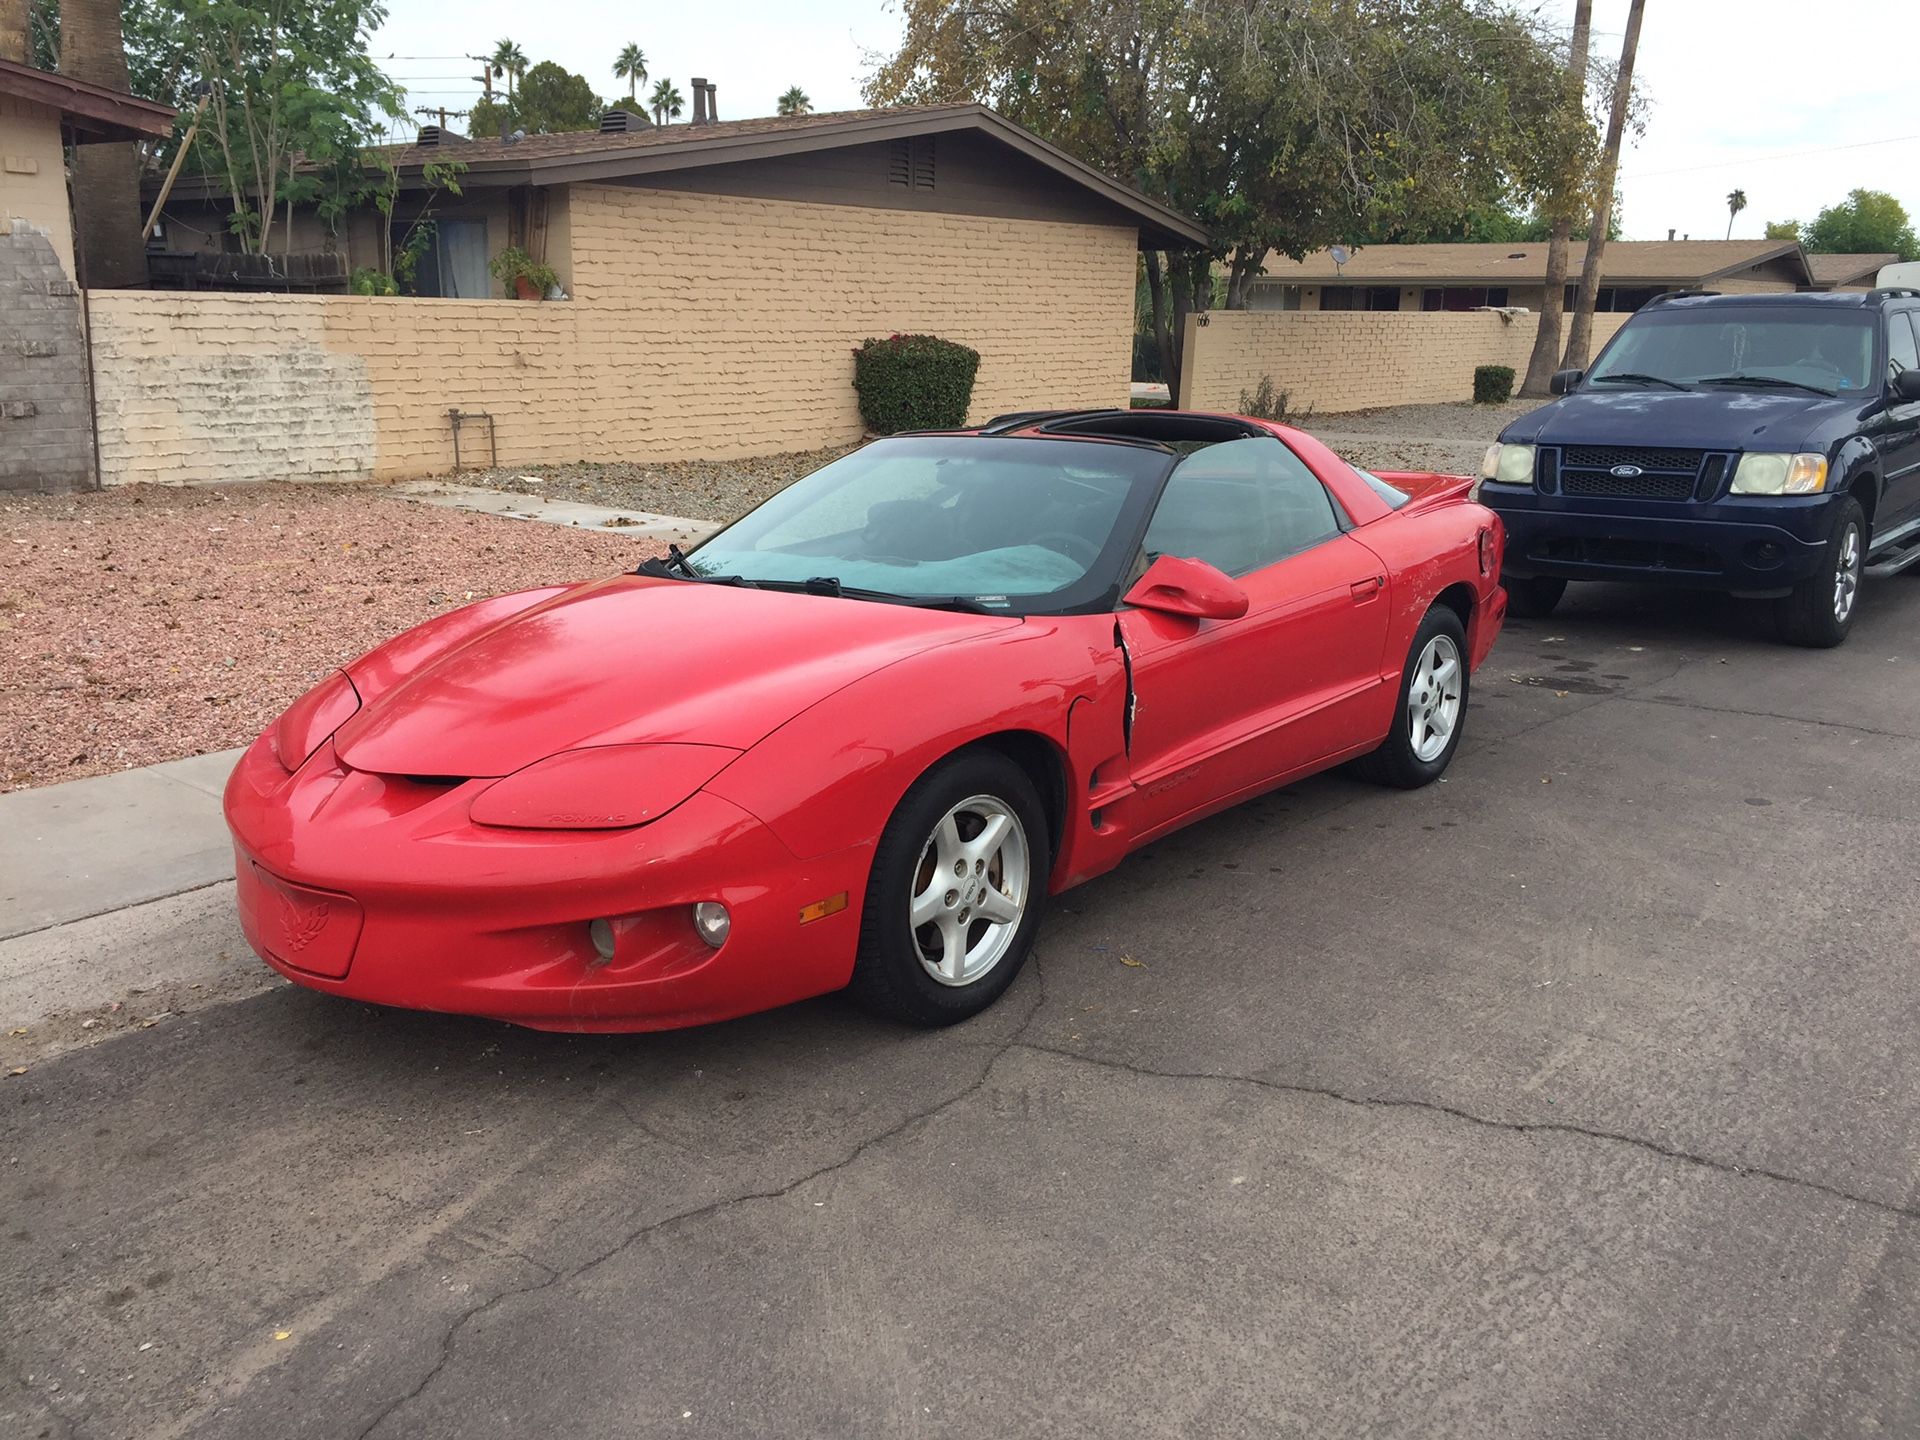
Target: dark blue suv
[1761,445]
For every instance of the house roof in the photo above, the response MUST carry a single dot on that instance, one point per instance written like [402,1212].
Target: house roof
[91,112]
[590,156]
[1831,270]
[1626,262]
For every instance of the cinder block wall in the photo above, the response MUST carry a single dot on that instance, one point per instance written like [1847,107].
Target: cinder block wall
[46,440]
[1329,361]
[701,325]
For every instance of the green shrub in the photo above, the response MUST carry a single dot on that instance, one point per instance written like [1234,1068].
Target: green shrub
[1492,384]
[368,281]
[914,382]
[513,264]
[1264,402]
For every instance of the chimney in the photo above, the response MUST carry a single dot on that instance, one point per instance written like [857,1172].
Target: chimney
[713,101]
[1669,232]
[699,101]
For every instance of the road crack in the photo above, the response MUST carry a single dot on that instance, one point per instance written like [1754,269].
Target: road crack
[1454,1112]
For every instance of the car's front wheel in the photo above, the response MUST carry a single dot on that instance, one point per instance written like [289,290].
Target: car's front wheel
[1819,612]
[958,883]
[1534,597]
[1433,702]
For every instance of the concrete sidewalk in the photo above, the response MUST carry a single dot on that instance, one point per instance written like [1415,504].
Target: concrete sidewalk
[641,524]
[72,851]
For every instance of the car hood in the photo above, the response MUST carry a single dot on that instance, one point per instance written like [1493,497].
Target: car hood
[1722,418]
[634,660]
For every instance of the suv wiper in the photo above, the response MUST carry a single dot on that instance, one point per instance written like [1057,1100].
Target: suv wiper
[1772,380]
[1635,377]
[830,585]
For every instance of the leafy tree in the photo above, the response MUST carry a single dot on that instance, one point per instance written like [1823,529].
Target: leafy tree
[510,60]
[666,102]
[1866,222]
[632,68]
[551,99]
[1736,202]
[796,102]
[1783,230]
[489,118]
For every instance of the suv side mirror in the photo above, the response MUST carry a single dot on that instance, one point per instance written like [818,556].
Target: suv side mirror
[1192,588]
[1564,381]
[1906,385]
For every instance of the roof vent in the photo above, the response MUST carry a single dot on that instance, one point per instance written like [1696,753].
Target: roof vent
[439,135]
[622,122]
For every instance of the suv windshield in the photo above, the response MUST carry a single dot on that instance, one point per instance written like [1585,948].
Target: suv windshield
[1002,521]
[1813,347]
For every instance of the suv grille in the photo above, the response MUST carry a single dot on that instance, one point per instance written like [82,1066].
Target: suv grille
[1664,474]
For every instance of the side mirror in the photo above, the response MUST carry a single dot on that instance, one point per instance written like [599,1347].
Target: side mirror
[1906,385]
[1565,381]
[1192,588]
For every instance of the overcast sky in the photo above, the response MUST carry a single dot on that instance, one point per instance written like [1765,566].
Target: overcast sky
[1794,103]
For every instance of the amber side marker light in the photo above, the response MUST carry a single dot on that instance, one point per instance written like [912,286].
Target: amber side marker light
[820,909]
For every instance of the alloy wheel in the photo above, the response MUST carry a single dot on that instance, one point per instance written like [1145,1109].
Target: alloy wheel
[1846,575]
[970,890]
[1433,698]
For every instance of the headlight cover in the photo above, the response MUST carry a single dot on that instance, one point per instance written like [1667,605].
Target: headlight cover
[1763,472]
[606,787]
[1508,464]
[311,720]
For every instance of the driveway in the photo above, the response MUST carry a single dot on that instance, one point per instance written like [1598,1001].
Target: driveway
[1573,1096]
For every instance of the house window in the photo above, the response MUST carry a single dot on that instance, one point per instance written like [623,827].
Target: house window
[1612,300]
[910,163]
[1273,297]
[1462,297]
[1359,297]
[453,262]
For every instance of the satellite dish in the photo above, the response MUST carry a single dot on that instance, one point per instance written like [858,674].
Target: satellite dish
[1341,254]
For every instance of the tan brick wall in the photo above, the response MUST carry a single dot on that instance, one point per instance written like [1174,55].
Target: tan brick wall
[1330,361]
[33,174]
[701,325]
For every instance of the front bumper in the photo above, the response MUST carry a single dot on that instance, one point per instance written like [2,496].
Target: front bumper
[1763,546]
[379,888]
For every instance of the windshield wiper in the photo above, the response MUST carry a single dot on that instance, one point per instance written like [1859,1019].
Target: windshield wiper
[1775,381]
[830,585]
[677,567]
[1635,377]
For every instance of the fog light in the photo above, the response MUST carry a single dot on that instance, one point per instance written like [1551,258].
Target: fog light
[601,933]
[710,918]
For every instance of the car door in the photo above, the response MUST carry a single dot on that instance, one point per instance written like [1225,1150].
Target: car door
[1223,707]
[1898,436]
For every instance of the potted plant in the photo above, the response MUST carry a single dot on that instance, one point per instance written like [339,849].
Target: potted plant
[522,275]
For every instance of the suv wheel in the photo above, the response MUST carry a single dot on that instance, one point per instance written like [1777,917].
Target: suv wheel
[1534,598]
[1820,611]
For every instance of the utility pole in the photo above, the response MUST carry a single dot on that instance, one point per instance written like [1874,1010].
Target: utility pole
[442,111]
[485,77]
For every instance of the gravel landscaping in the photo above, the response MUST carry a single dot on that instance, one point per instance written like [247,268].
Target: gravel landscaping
[718,490]
[151,623]
[1448,438]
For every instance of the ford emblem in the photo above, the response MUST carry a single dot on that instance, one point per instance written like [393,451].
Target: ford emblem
[1625,472]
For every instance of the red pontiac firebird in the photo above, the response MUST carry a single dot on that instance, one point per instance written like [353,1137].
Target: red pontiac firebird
[857,738]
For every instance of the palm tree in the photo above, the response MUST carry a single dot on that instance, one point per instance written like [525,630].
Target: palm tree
[666,102]
[632,68]
[1736,202]
[796,102]
[1580,334]
[106,179]
[510,60]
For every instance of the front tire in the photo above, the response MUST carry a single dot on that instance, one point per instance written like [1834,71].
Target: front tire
[1432,705]
[958,884]
[1820,611]
[1534,597]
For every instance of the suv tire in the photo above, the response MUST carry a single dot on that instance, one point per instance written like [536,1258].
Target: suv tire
[1820,611]
[1534,598]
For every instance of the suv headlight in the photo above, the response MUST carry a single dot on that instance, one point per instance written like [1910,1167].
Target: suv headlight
[1508,464]
[1767,473]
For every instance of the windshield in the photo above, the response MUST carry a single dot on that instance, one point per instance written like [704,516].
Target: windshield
[1009,523]
[1813,347]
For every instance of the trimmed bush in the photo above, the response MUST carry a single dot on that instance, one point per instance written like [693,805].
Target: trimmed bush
[914,382]
[1492,384]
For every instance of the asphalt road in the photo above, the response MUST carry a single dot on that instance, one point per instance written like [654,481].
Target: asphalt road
[1575,1096]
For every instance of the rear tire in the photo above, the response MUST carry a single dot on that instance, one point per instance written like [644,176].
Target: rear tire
[976,896]
[1820,611]
[1432,695]
[1534,597]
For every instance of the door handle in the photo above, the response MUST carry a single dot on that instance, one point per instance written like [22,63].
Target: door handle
[1365,590]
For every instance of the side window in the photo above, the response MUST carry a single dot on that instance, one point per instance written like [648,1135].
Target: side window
[1902,353]
[1241,505]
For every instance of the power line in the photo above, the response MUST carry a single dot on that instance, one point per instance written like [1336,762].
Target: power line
[1766,159]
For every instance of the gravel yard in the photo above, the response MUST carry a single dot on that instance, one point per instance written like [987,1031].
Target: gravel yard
[152,623]
[717,490]
[1448,438]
